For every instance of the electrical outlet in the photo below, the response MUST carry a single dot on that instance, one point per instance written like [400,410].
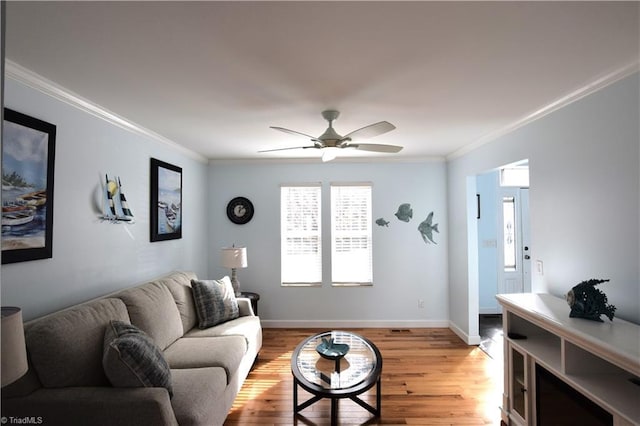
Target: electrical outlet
[421,304]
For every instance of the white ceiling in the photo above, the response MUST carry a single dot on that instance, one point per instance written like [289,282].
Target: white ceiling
[213,76]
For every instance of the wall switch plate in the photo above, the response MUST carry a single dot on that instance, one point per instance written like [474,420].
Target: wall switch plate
[539,267]
[489,243]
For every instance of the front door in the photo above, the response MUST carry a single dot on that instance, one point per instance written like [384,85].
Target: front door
[514,250]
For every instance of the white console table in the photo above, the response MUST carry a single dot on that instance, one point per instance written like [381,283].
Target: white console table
[596,359]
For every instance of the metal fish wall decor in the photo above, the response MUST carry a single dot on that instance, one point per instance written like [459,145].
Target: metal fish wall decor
[405,214]
[426,229]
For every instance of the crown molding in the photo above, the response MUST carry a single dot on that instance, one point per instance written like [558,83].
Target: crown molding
[37,82]
[317,160]
[562,102]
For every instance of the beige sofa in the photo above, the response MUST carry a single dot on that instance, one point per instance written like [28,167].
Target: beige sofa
[66,383]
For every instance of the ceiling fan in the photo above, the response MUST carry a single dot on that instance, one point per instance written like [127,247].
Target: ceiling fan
[330,141]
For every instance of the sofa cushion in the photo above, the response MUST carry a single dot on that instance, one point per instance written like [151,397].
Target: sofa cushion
[249,327]
[131,359]
[222,351]
[244,306]
[153,310]
[179,284]
[65,348]
[215,301]
[199,396]
[91,406]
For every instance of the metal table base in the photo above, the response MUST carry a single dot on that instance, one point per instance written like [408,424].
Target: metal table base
[376,411]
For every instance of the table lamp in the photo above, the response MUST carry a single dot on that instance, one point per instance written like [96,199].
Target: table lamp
[233,258]
[13,350]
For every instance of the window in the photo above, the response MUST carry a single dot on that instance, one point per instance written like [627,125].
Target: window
[351,242]
[301,235]
[515,176]
[509,232]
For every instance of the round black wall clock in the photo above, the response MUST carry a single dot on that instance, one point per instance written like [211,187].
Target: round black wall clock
[240,210]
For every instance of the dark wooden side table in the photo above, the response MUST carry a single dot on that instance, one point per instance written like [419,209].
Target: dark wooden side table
[253,297]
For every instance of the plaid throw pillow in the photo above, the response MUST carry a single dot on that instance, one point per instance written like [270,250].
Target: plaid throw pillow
[215,301]
[131,359]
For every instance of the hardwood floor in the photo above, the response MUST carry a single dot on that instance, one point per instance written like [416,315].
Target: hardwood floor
[429,377]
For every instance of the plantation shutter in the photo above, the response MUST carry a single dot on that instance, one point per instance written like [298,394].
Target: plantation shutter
[300,233]
[351,241]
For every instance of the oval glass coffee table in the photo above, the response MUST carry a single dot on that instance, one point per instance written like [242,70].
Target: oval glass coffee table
[336,377]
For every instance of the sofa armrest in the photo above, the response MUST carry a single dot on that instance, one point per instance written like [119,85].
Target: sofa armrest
[244,305]
[98,405]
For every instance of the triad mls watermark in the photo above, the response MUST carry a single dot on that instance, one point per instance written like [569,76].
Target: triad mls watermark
[26,420]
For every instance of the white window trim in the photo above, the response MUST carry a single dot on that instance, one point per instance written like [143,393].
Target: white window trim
[282,236]
[368,232]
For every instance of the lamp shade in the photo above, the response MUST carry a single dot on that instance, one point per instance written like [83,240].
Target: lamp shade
[13,349]
[234,257]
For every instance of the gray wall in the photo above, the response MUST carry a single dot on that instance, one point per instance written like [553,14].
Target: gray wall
[584,164]
[405,268]
[585,184]
[90,257]
[487,186]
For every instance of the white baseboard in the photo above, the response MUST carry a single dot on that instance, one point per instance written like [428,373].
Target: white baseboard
[469,340]
[346,324]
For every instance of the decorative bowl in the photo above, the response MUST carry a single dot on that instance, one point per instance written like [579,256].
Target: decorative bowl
[330,350]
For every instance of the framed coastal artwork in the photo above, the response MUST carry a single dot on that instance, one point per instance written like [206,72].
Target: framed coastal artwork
[28,152]
[166,201]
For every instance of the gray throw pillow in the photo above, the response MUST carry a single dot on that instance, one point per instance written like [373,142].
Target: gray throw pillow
[132,359]
[215,301]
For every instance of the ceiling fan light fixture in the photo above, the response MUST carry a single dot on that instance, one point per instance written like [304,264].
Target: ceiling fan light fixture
[330,140]
[329,154]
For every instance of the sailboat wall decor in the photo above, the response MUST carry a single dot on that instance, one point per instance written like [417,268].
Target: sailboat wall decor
[115,207]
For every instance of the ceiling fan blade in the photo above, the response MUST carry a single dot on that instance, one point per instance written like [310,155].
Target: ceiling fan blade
[370,131]
[293,132]
[375,147]
[293,147]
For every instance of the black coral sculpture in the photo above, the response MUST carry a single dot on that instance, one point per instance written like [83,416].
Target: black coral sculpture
[588,302]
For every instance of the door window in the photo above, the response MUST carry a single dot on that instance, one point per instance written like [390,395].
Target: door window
[509,232]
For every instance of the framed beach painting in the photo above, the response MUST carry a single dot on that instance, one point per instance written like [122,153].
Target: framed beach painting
[28,152]
[166,201]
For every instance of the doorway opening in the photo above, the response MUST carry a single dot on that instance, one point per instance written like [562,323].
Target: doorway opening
[491,336]
[503,246]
